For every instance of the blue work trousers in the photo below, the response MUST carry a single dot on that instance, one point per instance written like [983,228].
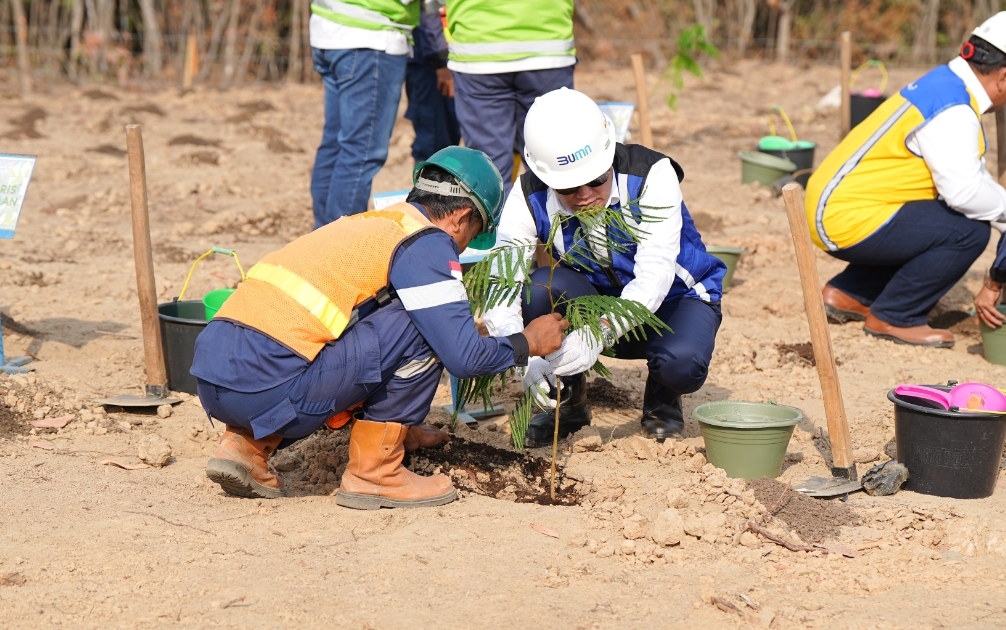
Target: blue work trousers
[382,360]
[362,91]
[903,269]
[492,108]
[679,361]
[432,114]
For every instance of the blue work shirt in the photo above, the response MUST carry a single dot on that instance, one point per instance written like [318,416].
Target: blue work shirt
[426,275]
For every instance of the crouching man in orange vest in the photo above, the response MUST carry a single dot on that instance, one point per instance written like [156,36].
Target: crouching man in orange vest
[358,318]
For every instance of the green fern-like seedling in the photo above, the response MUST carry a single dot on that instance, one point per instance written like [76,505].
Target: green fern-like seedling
[504,274]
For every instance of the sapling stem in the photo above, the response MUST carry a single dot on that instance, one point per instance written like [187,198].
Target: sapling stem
[555,435]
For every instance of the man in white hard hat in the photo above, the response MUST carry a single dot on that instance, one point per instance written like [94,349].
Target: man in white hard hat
[575,163]
[906,199]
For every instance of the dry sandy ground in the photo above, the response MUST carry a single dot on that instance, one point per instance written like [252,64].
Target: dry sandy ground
[89,545]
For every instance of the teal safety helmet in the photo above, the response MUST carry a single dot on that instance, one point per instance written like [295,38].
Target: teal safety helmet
[479,181]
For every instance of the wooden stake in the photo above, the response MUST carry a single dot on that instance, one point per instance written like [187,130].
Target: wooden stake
[21,27]
[191,65]
[846,79]
[1000,143]
[146,291]
[642,102]
[834,408]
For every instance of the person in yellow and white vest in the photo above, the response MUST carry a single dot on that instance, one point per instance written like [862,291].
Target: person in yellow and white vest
[906,198]
[354,323]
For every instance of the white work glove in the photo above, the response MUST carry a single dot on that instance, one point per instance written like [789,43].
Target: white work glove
[537,377]
[578,353]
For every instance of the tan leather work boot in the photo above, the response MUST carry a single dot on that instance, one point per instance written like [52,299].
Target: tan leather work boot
[913,335]
[424,436]
[375,477]
[842,307]
[239,464]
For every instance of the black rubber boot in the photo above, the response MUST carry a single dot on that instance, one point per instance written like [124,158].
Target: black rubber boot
[573,414]
[662,415]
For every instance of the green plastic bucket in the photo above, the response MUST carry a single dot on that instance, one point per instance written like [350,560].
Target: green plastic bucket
[213,300]
[747,439]
[994,341]
[763,168]
[729,256]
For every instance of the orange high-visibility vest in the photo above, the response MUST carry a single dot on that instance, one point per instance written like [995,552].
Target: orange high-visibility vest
[303,295]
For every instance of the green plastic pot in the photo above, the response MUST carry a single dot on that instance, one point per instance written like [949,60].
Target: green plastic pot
[747,439]
[729,256]
[994,341]
[213,300]
[763,168]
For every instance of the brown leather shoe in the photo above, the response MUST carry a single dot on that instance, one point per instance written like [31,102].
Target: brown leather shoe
[842,307]
[424,436]
[375,477]
[913,335]
[239,464]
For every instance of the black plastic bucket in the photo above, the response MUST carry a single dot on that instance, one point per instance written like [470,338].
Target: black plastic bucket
[181,323]
[862,106]
[948,454]
[803,158]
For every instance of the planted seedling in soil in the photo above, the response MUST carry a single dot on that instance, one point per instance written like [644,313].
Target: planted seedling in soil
[691,43]
[504,275]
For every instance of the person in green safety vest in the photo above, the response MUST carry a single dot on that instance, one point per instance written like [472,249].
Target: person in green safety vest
[503,55]
[360,49]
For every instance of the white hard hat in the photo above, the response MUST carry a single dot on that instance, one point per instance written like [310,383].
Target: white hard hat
[568,141]
[993,30]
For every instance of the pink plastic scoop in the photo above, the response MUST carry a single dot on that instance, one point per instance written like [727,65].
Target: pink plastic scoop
[966,396]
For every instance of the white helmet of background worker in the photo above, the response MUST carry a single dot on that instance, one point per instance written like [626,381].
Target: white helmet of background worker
[568,141]
[993,30]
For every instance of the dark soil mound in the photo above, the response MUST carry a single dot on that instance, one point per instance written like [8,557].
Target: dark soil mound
[803,352]
[602,393]
[813,519]
[10,424]
[495,472]
[189,139]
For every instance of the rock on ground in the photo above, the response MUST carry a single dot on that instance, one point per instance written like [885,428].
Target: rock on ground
[154,450]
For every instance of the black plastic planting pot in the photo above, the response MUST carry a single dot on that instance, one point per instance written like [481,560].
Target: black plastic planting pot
[947,453]
[860,107]
[181,323]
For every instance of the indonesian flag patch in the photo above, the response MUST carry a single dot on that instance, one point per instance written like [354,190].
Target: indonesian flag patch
[455,269]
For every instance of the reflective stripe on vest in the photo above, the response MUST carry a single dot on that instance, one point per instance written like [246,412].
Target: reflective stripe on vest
[508,30]
[555,47]
[304,293]
[379,20]
[873,171]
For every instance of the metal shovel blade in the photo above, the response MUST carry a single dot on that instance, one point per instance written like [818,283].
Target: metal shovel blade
[824,487]
[154,398]
[129,400]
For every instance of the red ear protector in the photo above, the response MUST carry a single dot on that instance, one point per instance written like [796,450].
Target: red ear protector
[970,52]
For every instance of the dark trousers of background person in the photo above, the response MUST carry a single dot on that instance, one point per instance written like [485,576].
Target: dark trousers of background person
[362,90]
[903,269]
[432,114]
[679,361]
[492,108]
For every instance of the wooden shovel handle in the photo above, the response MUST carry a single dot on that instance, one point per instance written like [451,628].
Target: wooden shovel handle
[824,354]
[145,288]
[643,96]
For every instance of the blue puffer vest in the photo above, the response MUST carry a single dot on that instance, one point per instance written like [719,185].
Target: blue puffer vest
[697,274]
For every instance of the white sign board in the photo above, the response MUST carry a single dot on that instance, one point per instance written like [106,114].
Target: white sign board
[385,199]
[15,173]
[621,115]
